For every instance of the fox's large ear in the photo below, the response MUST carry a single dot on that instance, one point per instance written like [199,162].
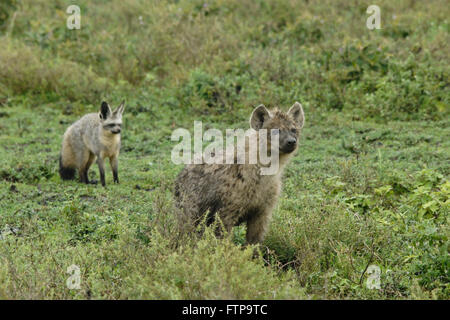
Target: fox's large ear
[258,117]
[120,108]
[105,111]
[296,112]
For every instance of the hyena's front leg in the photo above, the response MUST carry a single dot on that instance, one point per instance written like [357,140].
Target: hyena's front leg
[114,160]
[101,168]
[257,226]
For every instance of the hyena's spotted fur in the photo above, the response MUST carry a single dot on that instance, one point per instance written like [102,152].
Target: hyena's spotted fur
[95,136]
[238,193]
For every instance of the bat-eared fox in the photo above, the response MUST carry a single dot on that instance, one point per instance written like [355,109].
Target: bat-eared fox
[238,193]
[95,136]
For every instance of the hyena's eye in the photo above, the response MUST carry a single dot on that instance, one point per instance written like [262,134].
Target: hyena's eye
[293,130]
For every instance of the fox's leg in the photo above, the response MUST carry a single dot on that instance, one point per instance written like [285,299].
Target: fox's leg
[82,174]
[83,159]
[114,161]
[101,168]
[88,165]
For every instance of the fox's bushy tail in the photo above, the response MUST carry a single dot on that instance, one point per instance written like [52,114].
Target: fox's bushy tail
[65,172]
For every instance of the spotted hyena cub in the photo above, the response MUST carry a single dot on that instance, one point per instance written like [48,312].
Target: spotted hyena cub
[239,193]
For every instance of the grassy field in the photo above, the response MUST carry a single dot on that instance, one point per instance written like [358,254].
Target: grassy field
[368,186]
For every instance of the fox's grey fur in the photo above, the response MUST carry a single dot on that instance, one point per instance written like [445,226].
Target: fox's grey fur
[238,193]
[95,136]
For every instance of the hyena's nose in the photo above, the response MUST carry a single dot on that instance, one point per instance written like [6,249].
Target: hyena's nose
[291,141]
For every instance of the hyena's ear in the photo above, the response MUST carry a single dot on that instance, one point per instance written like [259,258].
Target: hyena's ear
[258,117]
[105,111]
[296,112]
[120,108]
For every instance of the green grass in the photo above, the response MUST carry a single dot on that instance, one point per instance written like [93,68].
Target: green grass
[369,185]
